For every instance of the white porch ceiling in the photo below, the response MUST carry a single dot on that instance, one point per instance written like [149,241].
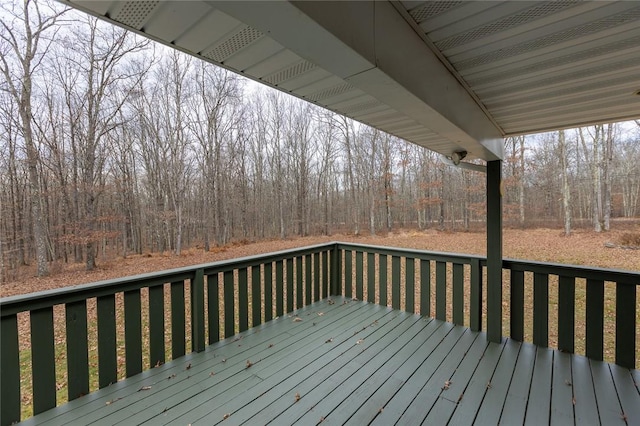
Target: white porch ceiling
[447,75]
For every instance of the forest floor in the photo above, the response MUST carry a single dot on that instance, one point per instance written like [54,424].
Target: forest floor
[583,247]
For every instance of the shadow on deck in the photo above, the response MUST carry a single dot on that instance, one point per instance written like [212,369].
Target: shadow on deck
[341,361]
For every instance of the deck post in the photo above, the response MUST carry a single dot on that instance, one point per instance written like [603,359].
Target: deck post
[494,251]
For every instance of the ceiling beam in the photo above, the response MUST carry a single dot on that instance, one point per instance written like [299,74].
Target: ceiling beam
[370,45]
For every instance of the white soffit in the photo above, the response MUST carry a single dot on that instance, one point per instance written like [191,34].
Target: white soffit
[447,75]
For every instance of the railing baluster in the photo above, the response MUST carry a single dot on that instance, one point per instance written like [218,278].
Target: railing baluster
[458,293]
[441,291]
[336,271]
[243,300]
[299,286]
[595,319]
[308,283]
[256,296]
[178,344]
[197,311]
[348,274]
[279,288]
[213,307]
[268,291]
[43,360]
[107,351]
[156,325]
[325,274]
[517,305]
[566,313]
[395,282]
[371,277]
[132,332]
[359,275]
[229,305]
[626,324]
[410,285]
[383,279]
[77,349]
[316,276]
[9,370]
[425,288]
[290,285]
[541,309]
[475,308]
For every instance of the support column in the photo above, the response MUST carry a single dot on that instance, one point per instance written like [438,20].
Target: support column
[494,251]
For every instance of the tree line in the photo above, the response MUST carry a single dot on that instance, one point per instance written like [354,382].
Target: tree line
[111,145]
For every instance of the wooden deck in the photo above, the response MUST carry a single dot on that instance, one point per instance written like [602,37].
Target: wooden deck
[344,361]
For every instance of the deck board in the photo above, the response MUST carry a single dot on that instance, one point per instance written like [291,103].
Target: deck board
[352,362]
[539,404]
[586,408]
[496,393]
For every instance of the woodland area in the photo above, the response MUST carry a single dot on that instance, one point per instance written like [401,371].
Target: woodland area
[111,145]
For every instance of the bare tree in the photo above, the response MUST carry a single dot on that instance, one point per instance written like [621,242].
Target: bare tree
[27,33]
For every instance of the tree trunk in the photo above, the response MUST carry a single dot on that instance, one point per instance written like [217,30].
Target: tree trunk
[566,193]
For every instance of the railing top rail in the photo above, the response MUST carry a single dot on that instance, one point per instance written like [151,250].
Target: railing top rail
[577,271]
[32,301]
[435,255]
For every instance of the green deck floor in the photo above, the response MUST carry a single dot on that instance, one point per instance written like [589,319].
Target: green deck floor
[350,362]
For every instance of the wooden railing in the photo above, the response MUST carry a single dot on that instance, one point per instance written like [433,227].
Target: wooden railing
[445,282]
[450,286]
[221,299]
[200,305]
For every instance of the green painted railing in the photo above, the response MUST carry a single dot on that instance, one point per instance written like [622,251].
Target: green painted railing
[592,282]
[443,285]
[450,287]
[224,298]
[220,299]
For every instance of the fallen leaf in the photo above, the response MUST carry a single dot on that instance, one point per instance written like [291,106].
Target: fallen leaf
[329,340]
[488,385]
[568,382]
[249,364]
[270,345]
[188,366]
[171,377]
[226,416]
[224,360]
[359,342]
[212,374]
[297,397]
[331,302]
[573,401]
[158,364]
[460,397]
[144,388]
[297,319]
[446,385]
[381,410]
[320,314]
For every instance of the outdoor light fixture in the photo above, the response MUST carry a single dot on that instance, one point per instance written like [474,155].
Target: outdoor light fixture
[455,160]
[458,156]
